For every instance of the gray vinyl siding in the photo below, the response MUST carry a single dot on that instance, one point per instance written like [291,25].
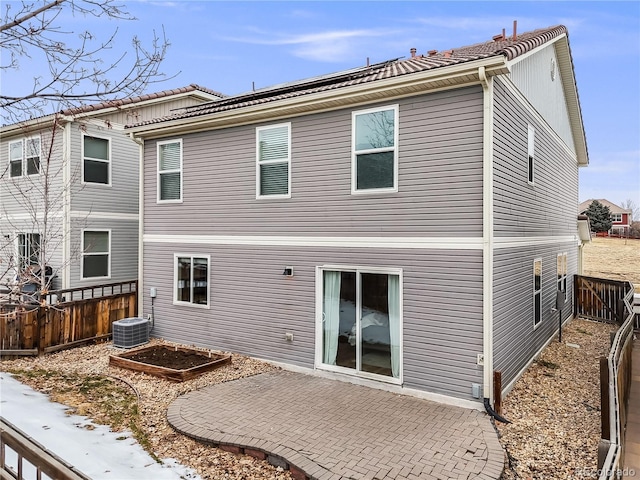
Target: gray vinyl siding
[547,208]
[20,211]
[15,192]
[515,339]
[124,250]
[252,306]
[440,177]
[532,76]
[122,195]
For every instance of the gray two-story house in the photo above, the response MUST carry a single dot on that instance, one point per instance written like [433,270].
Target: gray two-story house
[69,190]
[404,225]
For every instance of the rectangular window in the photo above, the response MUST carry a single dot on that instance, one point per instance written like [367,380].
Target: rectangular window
[273,169]
[360,329]
[561,269]
[15,159]
[537,291]
[531,153]
[191,276]
[616,217]
[28,250]
[96,253]
[96,160]
[374,164]
[170,171]
[24,157]
[33,155]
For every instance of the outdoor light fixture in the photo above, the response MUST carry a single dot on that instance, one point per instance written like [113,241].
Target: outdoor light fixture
[288,272]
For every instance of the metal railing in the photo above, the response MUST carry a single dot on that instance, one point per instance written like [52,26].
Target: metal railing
[619,381]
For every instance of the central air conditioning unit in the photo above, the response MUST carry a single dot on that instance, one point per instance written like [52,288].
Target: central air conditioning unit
[131,332]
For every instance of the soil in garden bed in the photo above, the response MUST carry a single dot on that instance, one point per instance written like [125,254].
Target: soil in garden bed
[169,358]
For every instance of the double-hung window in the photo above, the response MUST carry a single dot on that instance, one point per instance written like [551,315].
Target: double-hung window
[191,280]
[616,217]
[374,160]
[561,267]
[24,157]
[537,291]
[531,137]
[273,164]
[96,254]
[96,166]
[170,171]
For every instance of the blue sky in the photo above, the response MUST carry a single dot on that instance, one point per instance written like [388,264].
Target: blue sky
[231,46]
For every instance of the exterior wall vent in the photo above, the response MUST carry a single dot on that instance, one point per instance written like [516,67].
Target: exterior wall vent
[131,332]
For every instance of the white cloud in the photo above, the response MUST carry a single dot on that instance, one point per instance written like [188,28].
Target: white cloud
[328,46]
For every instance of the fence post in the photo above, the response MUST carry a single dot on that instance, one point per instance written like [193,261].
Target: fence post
[575,296]
[497,392]
[42,329]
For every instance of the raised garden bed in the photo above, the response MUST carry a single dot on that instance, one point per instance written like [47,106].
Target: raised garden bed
[172,363]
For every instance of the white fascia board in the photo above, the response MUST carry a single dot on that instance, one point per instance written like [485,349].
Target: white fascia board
[30,127]
[396,87]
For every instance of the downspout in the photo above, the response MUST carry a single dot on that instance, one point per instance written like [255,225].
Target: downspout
[140,292]
[487,235]
[66,205]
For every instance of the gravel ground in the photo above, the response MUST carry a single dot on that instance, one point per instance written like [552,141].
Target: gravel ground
[154,395]
[555,408]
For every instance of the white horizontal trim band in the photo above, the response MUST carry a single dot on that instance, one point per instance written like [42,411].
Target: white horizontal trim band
[436,243]
[104,215]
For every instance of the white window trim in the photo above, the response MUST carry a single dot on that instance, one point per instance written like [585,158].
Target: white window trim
[83,254]
[319,328]
[268,162]
[175,279]
[537,324]
[180,170]
[108,162]
[16,240]
[616,217]
[531,153]
[394,149]
[562,281]
[24,157]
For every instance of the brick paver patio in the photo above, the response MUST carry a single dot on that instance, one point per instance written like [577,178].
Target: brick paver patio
[328,429]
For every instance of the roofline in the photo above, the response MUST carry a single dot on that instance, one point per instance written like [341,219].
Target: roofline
[92,110]
[451,76]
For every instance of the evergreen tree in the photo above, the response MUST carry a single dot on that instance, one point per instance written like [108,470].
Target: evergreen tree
[599,216]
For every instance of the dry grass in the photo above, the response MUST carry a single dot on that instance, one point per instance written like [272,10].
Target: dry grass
[613,258]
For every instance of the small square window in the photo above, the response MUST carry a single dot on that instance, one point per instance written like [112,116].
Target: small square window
[191,280]
[96,254]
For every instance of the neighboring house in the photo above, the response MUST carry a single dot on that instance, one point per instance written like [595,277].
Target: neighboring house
[405,224]
[90,168]
[620,218]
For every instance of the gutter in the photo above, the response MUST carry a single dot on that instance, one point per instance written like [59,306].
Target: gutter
[487,235]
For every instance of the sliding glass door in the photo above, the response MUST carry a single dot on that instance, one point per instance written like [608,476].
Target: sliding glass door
[360,330]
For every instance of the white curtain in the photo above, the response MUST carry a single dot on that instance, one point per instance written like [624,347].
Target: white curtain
[331,316]
[394,323]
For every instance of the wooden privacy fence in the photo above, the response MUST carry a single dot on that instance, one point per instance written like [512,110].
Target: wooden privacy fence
[615,384]
[600,299]
[35,329]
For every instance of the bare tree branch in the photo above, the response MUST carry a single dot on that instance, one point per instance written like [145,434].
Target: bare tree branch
[77,68]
